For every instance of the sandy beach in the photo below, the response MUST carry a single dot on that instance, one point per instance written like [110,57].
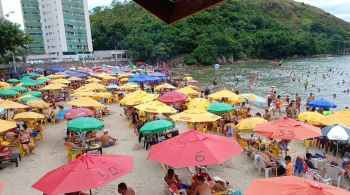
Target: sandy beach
[147,176]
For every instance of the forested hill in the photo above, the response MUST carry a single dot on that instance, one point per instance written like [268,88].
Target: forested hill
[236,29]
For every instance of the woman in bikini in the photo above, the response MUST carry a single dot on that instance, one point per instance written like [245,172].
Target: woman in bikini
[26,142]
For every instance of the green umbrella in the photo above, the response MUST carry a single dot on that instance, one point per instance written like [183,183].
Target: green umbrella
[19,89]
[27,99]
[115,71]
[84,124]
[8,93]
[33,93]
[33,74]
[13,81]
[220,108]
[30,84]
[157,126]
[41,82]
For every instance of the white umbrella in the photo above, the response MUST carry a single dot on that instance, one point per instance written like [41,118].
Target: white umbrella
[336,132]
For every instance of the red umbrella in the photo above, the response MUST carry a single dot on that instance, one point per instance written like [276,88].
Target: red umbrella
[194,148]
[292,185]
[87,172]
[173,97]
[288,129]
[78,112]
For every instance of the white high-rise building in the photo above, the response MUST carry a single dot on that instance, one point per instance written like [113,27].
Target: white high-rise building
[1,11]
[58,27]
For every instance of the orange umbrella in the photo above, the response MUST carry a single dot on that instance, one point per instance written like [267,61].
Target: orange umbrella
[292,185]
[287,128]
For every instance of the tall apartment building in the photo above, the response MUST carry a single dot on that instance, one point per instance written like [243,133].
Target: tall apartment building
[58,27]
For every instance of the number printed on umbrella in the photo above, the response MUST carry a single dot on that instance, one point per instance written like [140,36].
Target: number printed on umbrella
[199,157]
[111,171]
[289,134]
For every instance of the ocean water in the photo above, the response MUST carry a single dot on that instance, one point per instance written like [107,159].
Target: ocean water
[326,76]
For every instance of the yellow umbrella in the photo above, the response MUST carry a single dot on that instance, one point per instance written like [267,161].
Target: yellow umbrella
[163,86]
[61,81]
[125,75]
[84,93]
[188,78]
[27,116]
[155,107]
[106,95]
[137,97]
[4,85]
[124,79]
[128,86]
[7,125]
[37,104]
[94,86]
[313,118]
[8,104]
[105,76]
[340,117]
[74,79]
[227,95]
[249,124]
[199,104]
[195,116]
[93,80]
[53,87]
[85,102]
[188,91]
[56,76]
[193,87]
[24,96]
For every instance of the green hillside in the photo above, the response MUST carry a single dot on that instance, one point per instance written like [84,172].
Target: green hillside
[236,29]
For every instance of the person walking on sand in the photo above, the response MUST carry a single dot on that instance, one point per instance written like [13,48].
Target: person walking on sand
[298,102]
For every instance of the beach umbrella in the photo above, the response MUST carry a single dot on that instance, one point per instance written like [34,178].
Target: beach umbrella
[60,115]
[220,108]
[313,118]
[138,100]
[90,171]
[2,110]
[7,125]
[24,96]
[33,74]
[84,124]
[141,78]
[43,79]
[164,86]
[287,128]
[188,91]
[57,76]
[157,126]
[78,113]
[128,86]
[132,96]
[112,86]
[292,185]
[340,117]
[28,116]
[60,81]
[77,75]
[155,107]
[92,87]
[321,103]
[38,70]
[260,101]
[106,95]
[336,132]
[4,85]
[74,79]
[199,104]
[194,148]
[187,78]
[33,93]
[93,80]
[8,104]
[85,102]
[249,124]
[8,93]
[54,86]
[84,93]
[57,69]
[19,89]
[27,99]
[195,116]
[173,97]
[156,74]
[13,81]
[37,104]
[227,96]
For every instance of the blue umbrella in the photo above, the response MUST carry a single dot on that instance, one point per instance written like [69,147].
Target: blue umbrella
[126,69]
[77,74]
[57,69]
[60,115]
[38,70]
[321,103]
[143,78]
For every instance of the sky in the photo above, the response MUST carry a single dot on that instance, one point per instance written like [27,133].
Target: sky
[339,8]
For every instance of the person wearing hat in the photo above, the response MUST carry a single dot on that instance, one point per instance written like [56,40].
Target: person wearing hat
[107,140]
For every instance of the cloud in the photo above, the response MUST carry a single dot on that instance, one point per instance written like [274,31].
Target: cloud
[95,3]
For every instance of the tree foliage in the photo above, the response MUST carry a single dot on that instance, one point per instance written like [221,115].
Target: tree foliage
[11,37]
[236,29]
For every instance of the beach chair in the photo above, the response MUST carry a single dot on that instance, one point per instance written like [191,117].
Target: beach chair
[334,173]
[72,154]
[261,165]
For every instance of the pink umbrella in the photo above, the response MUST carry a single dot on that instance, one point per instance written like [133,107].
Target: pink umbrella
[79,112]
[173,97]
[194,148]
[192,82]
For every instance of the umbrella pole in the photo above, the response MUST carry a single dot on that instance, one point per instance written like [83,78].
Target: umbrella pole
[90,192]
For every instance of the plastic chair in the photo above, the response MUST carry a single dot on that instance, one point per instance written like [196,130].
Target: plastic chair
[72,154]
[334,173]
[261,165]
